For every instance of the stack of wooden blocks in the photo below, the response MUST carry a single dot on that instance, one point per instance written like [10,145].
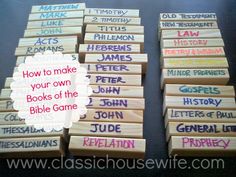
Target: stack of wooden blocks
[50,27]
[198,107]
[113,48]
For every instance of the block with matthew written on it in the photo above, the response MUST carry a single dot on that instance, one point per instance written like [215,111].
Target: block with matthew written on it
[111,12]
[194,76]
[184,102]
[202,146]
[188,16]
[103,146]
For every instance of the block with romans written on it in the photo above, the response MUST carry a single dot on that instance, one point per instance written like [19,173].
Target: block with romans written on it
[58,7]
[103,146]
[216,103]
[188,16]
[121,29]
[111,12]
[202,146]
[31,147]
[194,76]
[112,20]
[107,129]
[181,63]
[199,90]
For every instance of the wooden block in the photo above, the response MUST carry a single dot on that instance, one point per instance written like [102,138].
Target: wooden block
[190,33]
[111,12]
[215,103]
[200,115]
[178,43]
[188,16]
[31,50]
[107,129]
[64,40]
[200,129]
[56,15]
[202,146]
[10,118]
[6,105]
[31,147]
[58,7]
[59,31]
[112,20]
[199,90]
[55,23]
[121,29]
[118,58]
[194,76]
[181,63]
[103,146]
[21,59]
[13,131]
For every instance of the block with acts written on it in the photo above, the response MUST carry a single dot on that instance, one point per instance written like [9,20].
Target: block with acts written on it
[103,146]
[121,29]
[202,146]
[188,16]
[31,147]
[112,20]
[111,12]
[107,129]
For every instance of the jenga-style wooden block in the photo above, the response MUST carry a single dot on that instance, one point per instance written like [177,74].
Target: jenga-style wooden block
[58,31]
[199,90]
[194,76]
[31,147]
[10,118]
[202,146]
[56,23]
[112,20]
[107,129]
[111,12]
[103,146]
[120,29]
[56,15]
[58,7]
[181,63]
[188,16]
[185,102]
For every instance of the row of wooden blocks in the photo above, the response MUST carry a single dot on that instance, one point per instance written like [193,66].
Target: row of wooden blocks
[199,116]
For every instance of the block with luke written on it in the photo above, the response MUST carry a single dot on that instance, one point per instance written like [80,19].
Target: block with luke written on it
[199,90]
[194,76]
[202,146]
[120,29]
[188,16]
[112,20]
[31,147]
[198,103]
[200,115]
[103,146]
[111,12]
[200,129]
[107,129]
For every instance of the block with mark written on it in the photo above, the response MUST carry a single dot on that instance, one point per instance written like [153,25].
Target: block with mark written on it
[111,12]
[103,146]
[129,29]
[112,20]
[215,103]
[188,16]
[31,147]
[199,90]
[56,15]
[107,129]
[202,146]
[58,7]
[181,63]
[56,23]
[194,76]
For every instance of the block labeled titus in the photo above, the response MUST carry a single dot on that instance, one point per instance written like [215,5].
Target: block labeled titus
[111,12]
[107,129]
[112,20]
[202,146]
[188,16]
[103,146]
[114,29]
